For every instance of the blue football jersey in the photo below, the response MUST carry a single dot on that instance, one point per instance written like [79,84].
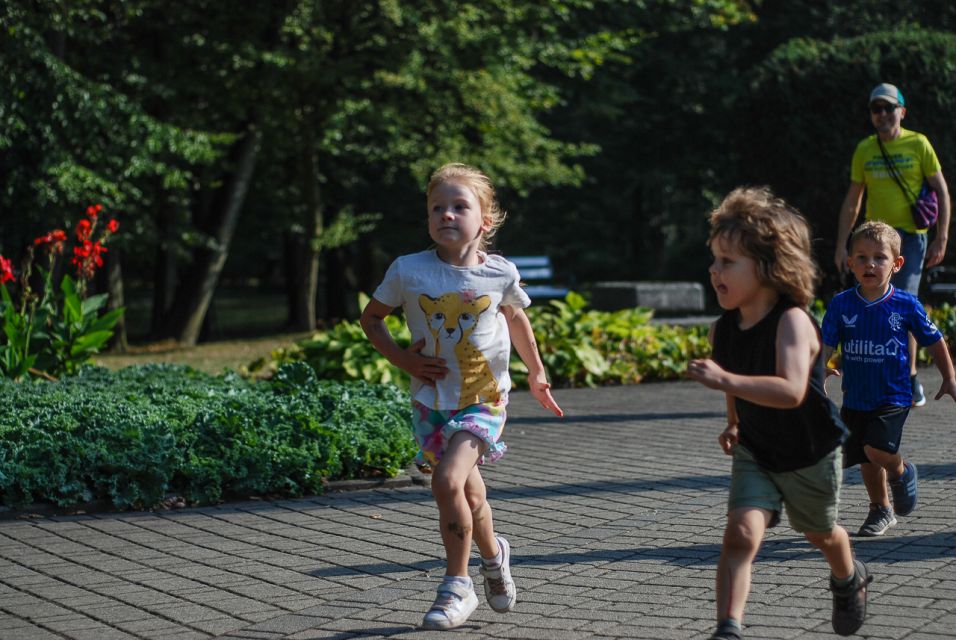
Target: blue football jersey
[873,338]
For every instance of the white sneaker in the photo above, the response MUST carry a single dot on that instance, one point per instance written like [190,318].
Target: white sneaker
[455,602]
[499,587]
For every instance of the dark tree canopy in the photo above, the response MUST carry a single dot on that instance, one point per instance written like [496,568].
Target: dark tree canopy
[287,143]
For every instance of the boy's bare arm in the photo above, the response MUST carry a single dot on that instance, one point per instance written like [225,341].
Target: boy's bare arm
[425,368]
[796,339]
[522,337]
[940,352]
[731,411]
[730,435]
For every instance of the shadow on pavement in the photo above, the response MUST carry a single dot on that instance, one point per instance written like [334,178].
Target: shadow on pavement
[780,548]
[618,417]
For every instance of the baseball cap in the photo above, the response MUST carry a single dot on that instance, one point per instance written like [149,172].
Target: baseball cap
[888,92]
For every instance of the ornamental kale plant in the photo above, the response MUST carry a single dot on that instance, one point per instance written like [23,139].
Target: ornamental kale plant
[134,436]
[53,331]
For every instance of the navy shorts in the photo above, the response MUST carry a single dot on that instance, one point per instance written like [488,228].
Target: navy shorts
[881,429]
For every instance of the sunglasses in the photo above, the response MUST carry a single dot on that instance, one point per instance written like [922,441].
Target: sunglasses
[877,109]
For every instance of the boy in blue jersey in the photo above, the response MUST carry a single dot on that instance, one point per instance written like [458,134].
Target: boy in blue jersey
[870,324]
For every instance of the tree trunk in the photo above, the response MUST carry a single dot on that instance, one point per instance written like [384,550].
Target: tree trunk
[118,343]
[302,304]
[292,276]
[195,293]
[164,272]
[341,286]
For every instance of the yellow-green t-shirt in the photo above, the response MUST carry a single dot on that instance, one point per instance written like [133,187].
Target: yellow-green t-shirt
[914,159]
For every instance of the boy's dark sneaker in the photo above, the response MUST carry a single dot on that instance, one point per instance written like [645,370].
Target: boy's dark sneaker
[849,602]
[877,521]
[726,631]
[904,490]
[919,398]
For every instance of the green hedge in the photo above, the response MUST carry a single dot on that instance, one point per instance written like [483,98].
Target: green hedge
[134,436]
[944,317]
[579,347]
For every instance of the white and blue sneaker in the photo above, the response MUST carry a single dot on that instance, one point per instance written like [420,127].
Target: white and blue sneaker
[455,602]
[499,587]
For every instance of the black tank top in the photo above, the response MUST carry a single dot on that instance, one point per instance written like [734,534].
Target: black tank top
[779,439]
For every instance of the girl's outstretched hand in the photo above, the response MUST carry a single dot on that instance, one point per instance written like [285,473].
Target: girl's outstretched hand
[705,371]
[947,388]
[426,368]
[541,389]
[729,438]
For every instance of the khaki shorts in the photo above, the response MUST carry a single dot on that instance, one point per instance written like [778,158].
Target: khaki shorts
[811,494]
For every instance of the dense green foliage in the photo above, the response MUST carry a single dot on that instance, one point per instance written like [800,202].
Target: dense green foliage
[579,347]
[133,436]
[150,108]
[807,91]
[57,329]
[54,337]
[610,127]
[944,317]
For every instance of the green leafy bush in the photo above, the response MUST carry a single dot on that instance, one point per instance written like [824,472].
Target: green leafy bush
[579,346]
[55,331]
[342,353]
[944,317]
[133,436]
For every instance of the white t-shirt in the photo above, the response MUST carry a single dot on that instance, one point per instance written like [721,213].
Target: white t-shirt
[457,310]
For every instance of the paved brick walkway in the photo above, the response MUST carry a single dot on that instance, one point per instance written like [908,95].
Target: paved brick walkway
[615,515]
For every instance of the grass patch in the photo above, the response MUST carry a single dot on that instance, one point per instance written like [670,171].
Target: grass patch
[209,357]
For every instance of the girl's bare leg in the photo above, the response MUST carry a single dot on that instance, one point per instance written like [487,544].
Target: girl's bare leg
[449,482]
[482,521]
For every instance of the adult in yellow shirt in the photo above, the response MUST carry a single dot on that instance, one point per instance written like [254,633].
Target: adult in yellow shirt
[914,160]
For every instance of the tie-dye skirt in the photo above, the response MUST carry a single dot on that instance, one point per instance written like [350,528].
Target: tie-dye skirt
[434,429]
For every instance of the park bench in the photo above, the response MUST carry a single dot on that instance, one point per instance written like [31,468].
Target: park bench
[662,297]
[536,275]
[940,285]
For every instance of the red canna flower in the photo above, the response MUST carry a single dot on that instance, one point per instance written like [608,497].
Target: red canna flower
[53,241]
[87,257]
[6,270]
[83,230]
[88,254]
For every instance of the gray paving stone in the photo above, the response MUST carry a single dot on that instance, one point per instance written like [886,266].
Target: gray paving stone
[28,632]
[615,536]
